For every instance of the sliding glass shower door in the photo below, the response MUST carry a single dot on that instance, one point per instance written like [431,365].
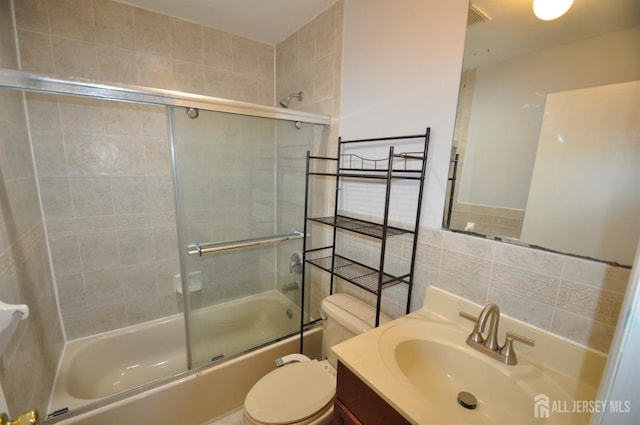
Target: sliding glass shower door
[240,187]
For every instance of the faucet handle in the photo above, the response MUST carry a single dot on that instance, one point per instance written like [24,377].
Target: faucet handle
[507,349]
[523,339]
[468,316]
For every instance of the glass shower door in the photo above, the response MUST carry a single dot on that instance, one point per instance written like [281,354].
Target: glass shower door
[240,206]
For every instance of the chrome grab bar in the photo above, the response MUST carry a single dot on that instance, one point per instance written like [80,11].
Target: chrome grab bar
[208,248]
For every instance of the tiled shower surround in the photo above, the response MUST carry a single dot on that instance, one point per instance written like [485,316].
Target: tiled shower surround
[28,366]
[107,197]
[103,167]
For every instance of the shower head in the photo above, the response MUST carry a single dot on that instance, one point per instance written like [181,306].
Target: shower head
[285,102]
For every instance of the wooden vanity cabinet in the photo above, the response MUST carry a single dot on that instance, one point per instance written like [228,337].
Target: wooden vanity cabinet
[357,404]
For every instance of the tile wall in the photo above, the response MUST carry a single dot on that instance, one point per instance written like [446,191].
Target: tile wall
[29,364]
[109,41]
[575,298]
[103,167]
[227,178]
[571,297]
[107,196]
[310,60]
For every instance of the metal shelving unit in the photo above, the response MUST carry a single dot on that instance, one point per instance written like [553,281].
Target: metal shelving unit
[394,167]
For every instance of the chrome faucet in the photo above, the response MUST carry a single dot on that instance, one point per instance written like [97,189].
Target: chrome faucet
[491,311]
[295,263]
[489,345]
[292,286]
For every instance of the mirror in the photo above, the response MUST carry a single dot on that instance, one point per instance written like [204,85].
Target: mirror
[547,134]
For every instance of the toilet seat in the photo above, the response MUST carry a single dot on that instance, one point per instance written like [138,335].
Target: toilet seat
[292,394]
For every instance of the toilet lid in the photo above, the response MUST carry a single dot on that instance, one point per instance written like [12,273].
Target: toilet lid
[291,393]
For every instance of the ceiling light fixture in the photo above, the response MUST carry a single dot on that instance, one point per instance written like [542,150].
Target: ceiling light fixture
[548,10]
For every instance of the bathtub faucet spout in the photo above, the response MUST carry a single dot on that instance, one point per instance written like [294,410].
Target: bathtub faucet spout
[290,286]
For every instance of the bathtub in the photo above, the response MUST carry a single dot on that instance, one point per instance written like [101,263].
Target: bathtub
[118,363]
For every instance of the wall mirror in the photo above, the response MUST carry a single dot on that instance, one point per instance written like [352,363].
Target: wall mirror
[547,135]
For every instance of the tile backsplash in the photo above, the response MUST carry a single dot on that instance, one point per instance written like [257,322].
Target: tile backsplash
[572,297]
[575,298]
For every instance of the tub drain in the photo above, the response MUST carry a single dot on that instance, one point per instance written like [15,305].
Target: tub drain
[467,400]
[289,313]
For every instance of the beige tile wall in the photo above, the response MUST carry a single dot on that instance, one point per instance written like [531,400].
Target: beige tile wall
[29,364]
[488,220]
[310,60]
[107,195]
[109,41]
[103,167]
[571,297]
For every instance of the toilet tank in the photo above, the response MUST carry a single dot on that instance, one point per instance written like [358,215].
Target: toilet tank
[346,317]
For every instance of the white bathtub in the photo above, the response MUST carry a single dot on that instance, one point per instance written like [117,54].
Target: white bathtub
[96,367]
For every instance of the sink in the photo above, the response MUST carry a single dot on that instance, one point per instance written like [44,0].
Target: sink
[420,363]
[434,361]
[441,372]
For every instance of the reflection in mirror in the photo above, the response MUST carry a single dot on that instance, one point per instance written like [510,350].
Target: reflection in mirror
[547,129]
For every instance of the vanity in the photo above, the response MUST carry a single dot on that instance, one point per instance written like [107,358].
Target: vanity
[419,369]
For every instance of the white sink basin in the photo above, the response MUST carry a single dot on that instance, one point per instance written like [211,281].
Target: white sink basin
[434,361]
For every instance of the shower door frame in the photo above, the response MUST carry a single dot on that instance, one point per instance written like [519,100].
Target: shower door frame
[19,80]
[30,82]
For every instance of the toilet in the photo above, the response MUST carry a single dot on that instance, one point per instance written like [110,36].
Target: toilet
[301,392]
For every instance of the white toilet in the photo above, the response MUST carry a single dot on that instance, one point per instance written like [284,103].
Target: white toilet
[302,393]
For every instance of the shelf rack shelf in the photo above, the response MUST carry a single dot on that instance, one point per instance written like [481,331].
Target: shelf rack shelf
[357,273]
[348,166]
[363,227]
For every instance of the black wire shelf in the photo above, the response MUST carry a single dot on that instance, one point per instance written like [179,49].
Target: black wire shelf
[354,167]
[357,273]
[362,227]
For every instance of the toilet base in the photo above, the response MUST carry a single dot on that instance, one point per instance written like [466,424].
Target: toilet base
[321,418]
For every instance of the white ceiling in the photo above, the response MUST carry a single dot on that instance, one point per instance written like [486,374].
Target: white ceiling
[270,21]
[514,29]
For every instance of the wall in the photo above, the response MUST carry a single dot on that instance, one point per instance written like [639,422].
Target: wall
[402,63]
[29,364]
[416,82]
[310,60]
[507,122]
[575,298]
[619,380]
[103,167]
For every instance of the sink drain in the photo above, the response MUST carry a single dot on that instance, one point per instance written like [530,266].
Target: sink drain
[467,400]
